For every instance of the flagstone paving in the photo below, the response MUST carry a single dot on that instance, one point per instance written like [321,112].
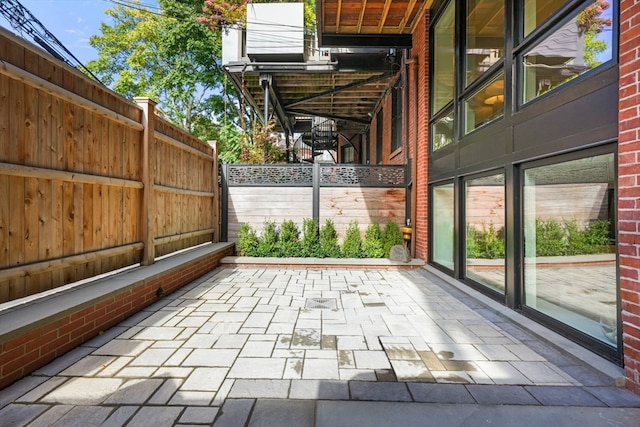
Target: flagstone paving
[246,344]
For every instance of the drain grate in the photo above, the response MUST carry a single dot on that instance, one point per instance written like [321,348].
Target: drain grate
[322,303]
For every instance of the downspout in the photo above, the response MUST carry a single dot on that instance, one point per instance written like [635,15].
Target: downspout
[411,65]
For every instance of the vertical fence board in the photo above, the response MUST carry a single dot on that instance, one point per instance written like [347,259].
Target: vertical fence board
[31,222]
[4,118]
[67,221]
[4,224]
[30,126]
[57,219]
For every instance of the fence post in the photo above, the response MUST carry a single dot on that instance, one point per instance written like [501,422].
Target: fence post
[216,193]
[224,204]
[147,217]
[316,192]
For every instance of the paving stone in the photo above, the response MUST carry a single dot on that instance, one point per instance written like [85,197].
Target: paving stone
[293,368]
[83,391]
[258,389]
[134,392]
[152,357]
[383,391]
[63,362]
[156,416]
[211,357]
[353,342]
[88,366]
[615,397]
[357,375]
[165,392]
[205,379]
[411,370]
[231,341]
[503,373]
[371,360]
[540,373]
[563,396]
[501,395]
[497,352]
[158,333]
[319,389]
[320,369]
[440,393]
[257,349]
[19,415]
[259,368]
[137,372]
[306,339]
[273,413]
[41,390]
[223,392]
[120,416]
[234,413]
[198,415]
[201,340]
[191,398]
[452,377]
[82,416]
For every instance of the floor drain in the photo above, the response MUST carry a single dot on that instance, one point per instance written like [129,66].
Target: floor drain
[322,303]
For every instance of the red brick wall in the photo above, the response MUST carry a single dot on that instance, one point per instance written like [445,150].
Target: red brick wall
[629,188]
[39,345]
[419,132]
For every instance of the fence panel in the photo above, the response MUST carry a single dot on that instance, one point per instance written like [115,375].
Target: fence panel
[342,193]
[71,177]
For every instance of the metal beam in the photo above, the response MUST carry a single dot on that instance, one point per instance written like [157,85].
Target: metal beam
[366,40]
[329,116]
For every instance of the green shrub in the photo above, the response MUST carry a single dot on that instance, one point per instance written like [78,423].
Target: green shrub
[372,245]
[490,242]
[550,238]
[472,243]
[329,246]
[247,241]
[310,238]
[391,236]
[352,243]
[268,241]
[289,243]
[597,236]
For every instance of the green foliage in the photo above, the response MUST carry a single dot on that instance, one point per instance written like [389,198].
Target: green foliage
[485,243]
[310,238]
[247,241]
[550,240]
[372,245]
[391,236]
[352,243]
[263,148]
[169,57]
[288,243]
[268,241]
[329,246]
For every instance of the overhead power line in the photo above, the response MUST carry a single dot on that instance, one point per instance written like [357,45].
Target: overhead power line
[23,21]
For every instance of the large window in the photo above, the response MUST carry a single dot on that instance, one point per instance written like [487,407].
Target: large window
[485,224]
[581,43]
[485,105]
[485,36]
[537,11]
[570,260]
[444,58]
[442,197]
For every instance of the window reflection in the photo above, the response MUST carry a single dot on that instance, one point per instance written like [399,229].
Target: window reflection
[485,36]
[443,132]
[484,212]
[537,11]
[443,224]
[580,45]
[570,267]
[444,58]
[485,105]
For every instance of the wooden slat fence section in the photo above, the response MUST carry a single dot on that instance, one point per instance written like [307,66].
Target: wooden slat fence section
[71,188]
[342,193]
[364,205]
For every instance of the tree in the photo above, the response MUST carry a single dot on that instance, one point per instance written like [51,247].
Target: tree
[171,58]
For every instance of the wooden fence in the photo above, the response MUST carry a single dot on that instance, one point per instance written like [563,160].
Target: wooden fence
[90,182]
[342,193]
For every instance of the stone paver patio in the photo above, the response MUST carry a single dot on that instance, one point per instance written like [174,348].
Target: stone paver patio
[260,344]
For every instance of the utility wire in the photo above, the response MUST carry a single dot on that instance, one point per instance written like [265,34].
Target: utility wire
[23,21]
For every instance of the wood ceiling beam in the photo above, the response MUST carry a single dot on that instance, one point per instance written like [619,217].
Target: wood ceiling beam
[383,18]
[405,18]
[426,4]
[341,89]
[364,6]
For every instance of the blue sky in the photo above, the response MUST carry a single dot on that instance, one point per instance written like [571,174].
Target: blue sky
[71,21]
